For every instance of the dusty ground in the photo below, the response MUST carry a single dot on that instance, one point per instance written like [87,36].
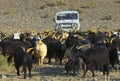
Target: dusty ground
[57,73]
[54,72]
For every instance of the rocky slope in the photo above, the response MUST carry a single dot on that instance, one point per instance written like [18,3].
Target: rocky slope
[37,15]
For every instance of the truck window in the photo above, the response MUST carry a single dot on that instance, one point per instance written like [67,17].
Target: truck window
[60,17]
[67,16]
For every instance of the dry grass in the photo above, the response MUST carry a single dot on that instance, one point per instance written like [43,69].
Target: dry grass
[108,17]
[55,3]
[4,67]
[89,5]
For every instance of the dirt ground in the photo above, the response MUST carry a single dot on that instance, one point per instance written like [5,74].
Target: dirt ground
[55,72]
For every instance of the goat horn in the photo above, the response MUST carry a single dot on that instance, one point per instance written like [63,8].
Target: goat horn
[80,47]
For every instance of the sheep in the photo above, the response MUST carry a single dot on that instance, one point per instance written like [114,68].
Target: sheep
[41,50]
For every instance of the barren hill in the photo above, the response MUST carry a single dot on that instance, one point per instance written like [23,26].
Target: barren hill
[38,15]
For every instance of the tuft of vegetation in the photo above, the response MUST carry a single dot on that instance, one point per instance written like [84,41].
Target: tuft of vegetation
[58,3]
[43,6]
[6,13]
[2,61]
[89,5]
[108,17]
[118,1]
[4,66]
[47,15]
[76,9]
[62,2]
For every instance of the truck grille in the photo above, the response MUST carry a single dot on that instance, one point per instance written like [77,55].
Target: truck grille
[66,25]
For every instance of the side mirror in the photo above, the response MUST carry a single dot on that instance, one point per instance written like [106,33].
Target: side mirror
[80,19]
[53,19]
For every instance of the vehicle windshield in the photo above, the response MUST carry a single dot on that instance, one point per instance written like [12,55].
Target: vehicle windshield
[67,16]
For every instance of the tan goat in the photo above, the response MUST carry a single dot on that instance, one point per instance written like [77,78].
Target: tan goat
[41,50]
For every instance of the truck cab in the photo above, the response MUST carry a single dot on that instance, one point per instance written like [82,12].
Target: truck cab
[67,20]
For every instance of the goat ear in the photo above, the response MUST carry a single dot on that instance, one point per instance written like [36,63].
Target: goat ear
[37,43]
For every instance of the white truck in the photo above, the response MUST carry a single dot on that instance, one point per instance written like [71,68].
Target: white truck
[67,20]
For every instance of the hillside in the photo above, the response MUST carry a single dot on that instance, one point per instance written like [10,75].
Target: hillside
[38,15]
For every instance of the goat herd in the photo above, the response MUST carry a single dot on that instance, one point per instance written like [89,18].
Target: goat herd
[89,50]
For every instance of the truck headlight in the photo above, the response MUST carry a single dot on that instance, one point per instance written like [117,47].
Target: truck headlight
[75,25]
[58,26]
